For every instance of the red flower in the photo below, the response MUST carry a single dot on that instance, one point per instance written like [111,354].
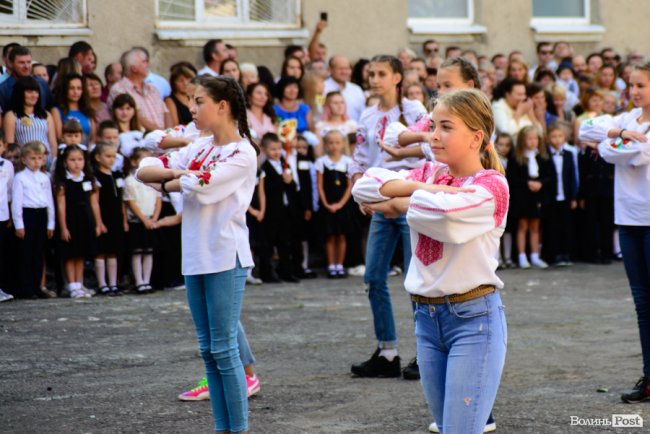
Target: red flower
[204,178]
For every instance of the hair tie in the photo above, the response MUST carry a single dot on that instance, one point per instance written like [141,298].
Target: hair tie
[488,147]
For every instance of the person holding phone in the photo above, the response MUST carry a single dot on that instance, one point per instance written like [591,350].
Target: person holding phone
[318,50]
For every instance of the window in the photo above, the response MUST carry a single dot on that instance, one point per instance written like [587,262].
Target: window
[561,10]
[442,17]
[565,20]
[258,13]
[43,13]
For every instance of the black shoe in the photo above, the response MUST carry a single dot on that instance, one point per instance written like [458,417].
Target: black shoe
[412,370]
[377,366]
[270,279]
[289,278]
[641,392]
[310,274]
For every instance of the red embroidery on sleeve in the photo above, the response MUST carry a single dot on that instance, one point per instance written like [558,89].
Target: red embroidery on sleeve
[204,178]
[492,181]
[428,250]
[165,161]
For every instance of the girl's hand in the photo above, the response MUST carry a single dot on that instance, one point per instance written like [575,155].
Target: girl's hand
[126,226]
[574,204]
[308,215]
[260,216]
[286,177]
[587,144]
[177,173]
[386,207]
[20,233]
[65,235]
[102,229]
[635,136]
[433,188]
[395,153]
[50,234]
[335,207]
[582,203]
[150,224]
[534,186]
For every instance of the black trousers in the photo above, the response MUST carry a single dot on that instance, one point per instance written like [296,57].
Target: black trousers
[600,226]
[557,234]
[31,250]
[278,234]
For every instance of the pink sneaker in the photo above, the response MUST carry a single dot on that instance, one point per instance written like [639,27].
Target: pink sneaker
[252,385]
[199,393]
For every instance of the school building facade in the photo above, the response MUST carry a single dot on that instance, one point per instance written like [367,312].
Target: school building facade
[175,30]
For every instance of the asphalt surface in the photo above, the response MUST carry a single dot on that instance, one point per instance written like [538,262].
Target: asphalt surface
[116,365]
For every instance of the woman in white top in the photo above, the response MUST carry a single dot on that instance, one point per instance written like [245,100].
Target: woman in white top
[624,143]
[217,177]
[514,111]
[456,209]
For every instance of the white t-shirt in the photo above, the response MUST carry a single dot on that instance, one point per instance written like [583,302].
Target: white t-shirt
[355,100]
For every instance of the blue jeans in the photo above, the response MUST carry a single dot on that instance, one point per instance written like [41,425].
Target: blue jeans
[635,246]
[461,350]
[382,240]
[245,353]
[215,302]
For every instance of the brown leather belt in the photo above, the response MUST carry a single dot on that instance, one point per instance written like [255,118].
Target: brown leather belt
[477,292]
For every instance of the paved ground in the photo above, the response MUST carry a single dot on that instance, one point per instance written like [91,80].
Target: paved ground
[115,365]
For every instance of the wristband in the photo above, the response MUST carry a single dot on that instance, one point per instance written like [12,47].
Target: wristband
[162,187]
[621,133]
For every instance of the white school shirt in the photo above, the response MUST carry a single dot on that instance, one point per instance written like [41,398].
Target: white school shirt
[145,198]
[355,99]
[631,165]
[152,139]
[454,237]
[340,166]
[6,181]
[31,190]
[214,231]
[372,127]
[130,140]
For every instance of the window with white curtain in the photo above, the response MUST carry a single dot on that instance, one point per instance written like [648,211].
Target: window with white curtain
[440,9]
[45,13]
[259,13]
[442,17]
[576,11]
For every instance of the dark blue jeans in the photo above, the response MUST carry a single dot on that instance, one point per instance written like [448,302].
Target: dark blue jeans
[635,246]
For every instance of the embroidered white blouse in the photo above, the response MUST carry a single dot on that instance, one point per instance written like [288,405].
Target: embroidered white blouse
[373,126]
[214,231]
[632,164]
[454,237]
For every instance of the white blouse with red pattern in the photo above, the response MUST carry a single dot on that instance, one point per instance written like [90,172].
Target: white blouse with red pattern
[214,231]
[454,236]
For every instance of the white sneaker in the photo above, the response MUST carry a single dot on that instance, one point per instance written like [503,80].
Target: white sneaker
[395,271]
[489,427]
[88,291]
[253,280]
[524,264]
[78,293]
[539,264]
[4,296]
[358,271]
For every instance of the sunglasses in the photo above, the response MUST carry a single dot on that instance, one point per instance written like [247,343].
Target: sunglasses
[546,52]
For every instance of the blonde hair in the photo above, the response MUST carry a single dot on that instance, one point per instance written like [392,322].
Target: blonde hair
[473,107]
[557,90]
[520,147]
[334,132]
[33,147]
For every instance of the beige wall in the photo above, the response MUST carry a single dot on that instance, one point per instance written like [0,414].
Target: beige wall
[359,28]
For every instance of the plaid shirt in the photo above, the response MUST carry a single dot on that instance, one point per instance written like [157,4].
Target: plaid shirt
[148,101]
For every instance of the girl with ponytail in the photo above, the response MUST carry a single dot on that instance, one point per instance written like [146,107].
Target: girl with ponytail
[216,175]
[385,77]
[456,209]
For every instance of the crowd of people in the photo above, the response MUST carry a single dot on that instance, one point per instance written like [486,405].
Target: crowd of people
[72,199]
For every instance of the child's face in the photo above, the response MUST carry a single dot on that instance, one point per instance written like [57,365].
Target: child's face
[124,113]
[503,146]
[41,71]
[532,141]
[609,104]
[450,79]
[452,142]
[415,93]
[334,145]
[302,147]
[14,157]
[273,151]
[557,137]
[566,75]
[72,138]
[34,161]
[106,159]
[74,163]
[336,104]
[382,79]
[111,135]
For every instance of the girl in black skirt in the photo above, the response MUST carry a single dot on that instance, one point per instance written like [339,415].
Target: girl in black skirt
[79,218]
[113,213]
[526,178]
[334,190]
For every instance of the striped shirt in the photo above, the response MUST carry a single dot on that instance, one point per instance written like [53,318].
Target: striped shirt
[30,128]
[147,101]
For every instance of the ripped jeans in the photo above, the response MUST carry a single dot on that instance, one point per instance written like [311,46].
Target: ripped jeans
[461,350]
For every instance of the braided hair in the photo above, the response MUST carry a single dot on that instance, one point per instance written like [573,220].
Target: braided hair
[224,88]
[396,66]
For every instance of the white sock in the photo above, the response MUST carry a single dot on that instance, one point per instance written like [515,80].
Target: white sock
[507,246]
[388,353]
[147,266]
[249,273]
[100,272]
[136,267]
[331,267]
[74,286]
[305,255]
[339,267]
[111,265]
[534,257]
[617,242]
[522,258]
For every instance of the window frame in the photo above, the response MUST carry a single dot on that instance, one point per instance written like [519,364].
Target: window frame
[563,21]
[446,26]
[225,22]
[15,23]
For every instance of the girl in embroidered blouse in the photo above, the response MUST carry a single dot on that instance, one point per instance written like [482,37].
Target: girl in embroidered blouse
[456,208]
[216,175]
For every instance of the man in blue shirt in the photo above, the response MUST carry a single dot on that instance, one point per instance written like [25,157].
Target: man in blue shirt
[20,59]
